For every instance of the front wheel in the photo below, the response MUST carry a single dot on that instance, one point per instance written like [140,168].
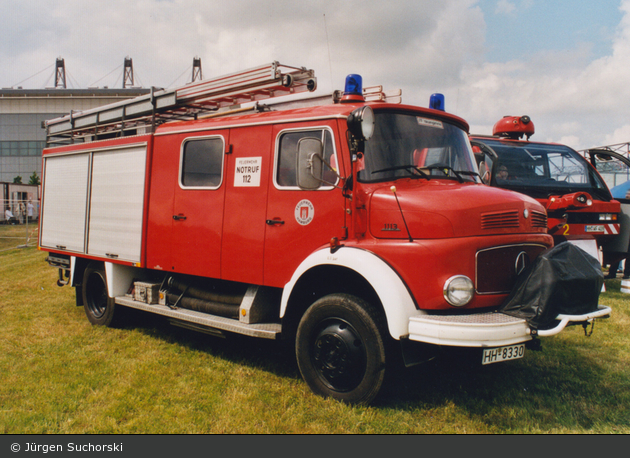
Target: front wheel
[340,350]
[100,309]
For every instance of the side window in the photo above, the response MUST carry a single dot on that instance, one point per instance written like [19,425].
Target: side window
[202,163]
[485,167]
[286,166]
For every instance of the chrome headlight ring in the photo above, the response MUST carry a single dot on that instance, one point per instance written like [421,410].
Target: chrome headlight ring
[459,290]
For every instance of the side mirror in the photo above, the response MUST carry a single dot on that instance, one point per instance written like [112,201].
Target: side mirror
[309,163]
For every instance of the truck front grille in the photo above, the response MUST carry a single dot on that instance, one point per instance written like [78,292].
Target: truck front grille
[498,267]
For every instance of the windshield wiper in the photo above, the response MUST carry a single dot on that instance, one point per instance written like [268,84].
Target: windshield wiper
[444,168]
[411,168]
[466,172]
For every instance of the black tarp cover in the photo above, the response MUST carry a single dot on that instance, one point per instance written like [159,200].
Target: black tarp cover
[562,280]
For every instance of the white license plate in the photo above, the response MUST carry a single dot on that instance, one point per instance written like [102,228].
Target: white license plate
[594,229]
[507,353]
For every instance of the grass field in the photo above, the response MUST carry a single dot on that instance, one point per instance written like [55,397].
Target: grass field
[59,374]
[12,236]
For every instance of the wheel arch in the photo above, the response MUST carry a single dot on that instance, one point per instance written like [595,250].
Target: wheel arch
[118,276]
[352,271]
[77,267]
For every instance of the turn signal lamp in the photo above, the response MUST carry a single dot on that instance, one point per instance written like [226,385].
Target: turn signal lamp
[334,244]
[437,102]
[353,92]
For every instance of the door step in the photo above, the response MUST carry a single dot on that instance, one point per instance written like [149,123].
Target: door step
[263,330]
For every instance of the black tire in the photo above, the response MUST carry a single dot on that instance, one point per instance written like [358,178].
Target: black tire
[340,349]
[100,309]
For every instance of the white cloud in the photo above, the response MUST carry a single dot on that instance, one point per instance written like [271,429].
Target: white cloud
[510,8]
[556,88]
[399,43]
[620,135]
[505,7]
[571,140]
[420,46]
[381,39]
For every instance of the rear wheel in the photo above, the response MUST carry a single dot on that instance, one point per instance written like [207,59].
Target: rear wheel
[100,309]
[340,349]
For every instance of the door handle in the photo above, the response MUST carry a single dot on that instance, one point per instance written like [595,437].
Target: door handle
[179,217]
[273,222]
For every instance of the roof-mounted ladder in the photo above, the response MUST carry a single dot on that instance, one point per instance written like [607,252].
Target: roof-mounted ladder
[183,103]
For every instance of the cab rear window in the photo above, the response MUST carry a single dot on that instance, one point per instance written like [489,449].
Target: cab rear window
[202,163]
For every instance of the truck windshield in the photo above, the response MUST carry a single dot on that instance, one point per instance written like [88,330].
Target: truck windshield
[540,170]
[416,146]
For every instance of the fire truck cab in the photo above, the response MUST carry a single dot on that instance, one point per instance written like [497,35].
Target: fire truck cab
[578,202]
[349,226]
[614,167]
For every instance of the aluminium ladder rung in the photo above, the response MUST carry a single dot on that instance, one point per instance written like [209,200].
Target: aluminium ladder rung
[254,84]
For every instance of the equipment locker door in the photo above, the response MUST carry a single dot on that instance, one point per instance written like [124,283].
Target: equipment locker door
[300,221]
[116,211]
[64,203]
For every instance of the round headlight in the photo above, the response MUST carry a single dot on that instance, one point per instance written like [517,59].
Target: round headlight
[458,290]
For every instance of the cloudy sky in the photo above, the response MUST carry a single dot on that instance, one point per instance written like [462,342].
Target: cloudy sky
[565,63]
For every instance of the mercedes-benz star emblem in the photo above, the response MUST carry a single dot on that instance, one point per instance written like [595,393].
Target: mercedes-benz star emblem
[522,261]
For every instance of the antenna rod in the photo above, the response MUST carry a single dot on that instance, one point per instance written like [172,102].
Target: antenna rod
[393,188]
[332,85]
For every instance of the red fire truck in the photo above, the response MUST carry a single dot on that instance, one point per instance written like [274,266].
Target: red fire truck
[349,227]
[577,200]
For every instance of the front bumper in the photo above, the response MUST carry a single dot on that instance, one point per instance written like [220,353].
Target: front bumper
[492,329]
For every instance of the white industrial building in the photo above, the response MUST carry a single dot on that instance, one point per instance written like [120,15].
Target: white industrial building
[22,112]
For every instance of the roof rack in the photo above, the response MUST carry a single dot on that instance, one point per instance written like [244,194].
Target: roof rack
[376,94]
[142,114]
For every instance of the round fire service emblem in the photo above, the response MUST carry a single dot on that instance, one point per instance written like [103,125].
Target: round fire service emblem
[304,212]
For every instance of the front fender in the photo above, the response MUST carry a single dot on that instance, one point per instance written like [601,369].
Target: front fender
[392,292]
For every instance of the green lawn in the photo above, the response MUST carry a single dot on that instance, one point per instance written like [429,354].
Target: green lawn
[62,375]
[12,236]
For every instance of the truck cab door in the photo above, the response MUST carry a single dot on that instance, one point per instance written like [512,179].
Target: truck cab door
[486,159]
[300,221]
[186,204]
[614,168]
[247,180]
